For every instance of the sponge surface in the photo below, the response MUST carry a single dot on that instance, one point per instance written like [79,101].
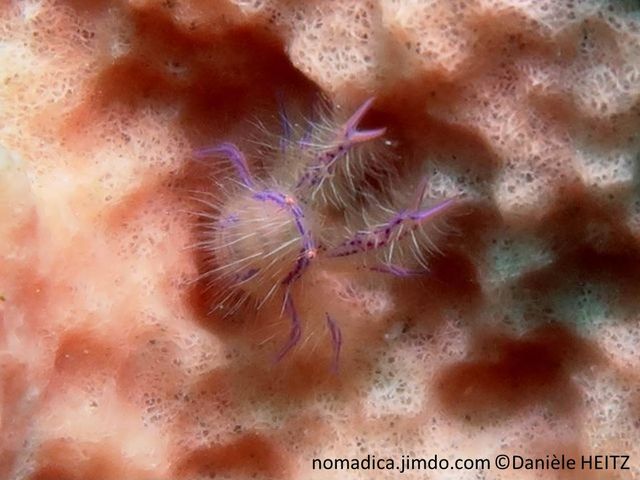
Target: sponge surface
[523,339]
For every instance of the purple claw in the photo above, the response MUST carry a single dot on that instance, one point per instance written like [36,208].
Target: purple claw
[361,136]
[295,332]
[336,342]
[395,228]
[354,136]
[359,114]
[422,215]
[236,157]
[347,137]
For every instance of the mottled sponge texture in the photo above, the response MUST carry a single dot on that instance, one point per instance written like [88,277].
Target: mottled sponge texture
[523,338]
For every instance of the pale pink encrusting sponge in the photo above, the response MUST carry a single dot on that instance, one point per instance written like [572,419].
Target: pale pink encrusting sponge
[522,338]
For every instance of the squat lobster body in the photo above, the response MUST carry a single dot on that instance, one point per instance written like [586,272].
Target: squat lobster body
[262,237]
